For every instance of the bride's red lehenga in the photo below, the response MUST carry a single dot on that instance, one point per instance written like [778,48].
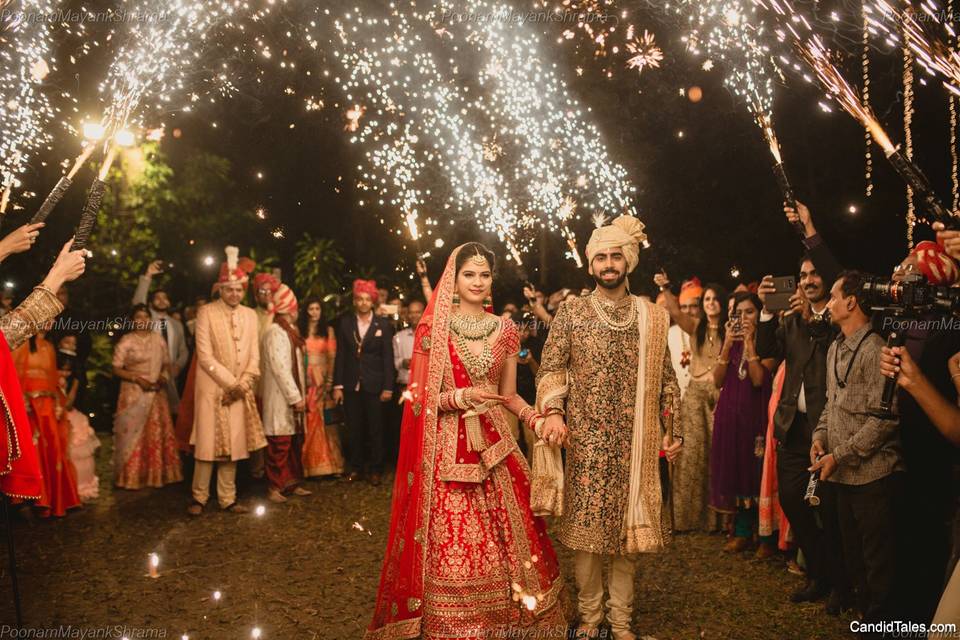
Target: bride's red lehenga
[466,558]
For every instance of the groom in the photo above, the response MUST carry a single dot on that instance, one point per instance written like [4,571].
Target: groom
[608,390]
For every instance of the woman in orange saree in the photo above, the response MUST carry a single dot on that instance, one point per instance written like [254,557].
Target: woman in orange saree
[466,558]
[36,365]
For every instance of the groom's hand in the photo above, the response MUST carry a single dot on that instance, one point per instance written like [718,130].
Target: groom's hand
[554,431]
[671,447]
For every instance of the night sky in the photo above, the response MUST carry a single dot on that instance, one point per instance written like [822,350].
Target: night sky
[709,199]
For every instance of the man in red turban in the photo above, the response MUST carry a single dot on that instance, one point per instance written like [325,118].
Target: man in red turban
[363,380]
[226,423]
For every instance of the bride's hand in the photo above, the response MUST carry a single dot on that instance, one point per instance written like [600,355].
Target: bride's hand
[477,396]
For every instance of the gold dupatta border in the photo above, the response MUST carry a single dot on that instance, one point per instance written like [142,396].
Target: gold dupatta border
[652,535]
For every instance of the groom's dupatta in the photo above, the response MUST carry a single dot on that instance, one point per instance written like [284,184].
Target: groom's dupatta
[400,596]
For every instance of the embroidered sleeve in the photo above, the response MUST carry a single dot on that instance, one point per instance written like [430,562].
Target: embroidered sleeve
[511,338]
[552,377]
[29,317]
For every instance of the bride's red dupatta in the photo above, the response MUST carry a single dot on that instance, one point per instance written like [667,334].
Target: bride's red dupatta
[19,465]
[398,610]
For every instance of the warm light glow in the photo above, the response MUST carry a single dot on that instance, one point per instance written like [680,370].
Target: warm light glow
[125,138]
[208,261]
[93,131]
[256,633]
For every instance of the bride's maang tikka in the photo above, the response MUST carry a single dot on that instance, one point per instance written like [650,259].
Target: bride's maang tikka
[479,260]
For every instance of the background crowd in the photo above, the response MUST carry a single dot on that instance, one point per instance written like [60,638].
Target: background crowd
[787,445]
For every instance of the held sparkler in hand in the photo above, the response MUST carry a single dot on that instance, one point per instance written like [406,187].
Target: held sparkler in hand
[765,123]
[815,54]
[60,189]
[89,216]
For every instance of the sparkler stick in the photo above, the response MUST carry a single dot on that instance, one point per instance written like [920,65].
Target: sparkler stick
[89,216]
[765,123]
[63,184]
[814,53]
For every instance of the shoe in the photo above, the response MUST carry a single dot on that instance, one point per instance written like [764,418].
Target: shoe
[300,491]
[837,603]
[275,496]
[764,551]
[794,568]
[195,508]
[238,508]
[811,592]
[375,479]
[736,544]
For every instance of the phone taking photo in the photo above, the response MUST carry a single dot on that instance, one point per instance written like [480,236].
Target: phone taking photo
[779,300]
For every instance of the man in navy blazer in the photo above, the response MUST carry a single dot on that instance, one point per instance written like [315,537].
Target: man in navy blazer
[363,379]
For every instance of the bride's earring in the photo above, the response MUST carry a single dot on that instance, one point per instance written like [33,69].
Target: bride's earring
[488,302]
[456,298]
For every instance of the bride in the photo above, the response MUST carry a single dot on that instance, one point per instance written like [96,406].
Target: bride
[466,558]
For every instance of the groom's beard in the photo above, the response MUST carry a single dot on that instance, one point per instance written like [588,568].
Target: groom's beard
[611,284]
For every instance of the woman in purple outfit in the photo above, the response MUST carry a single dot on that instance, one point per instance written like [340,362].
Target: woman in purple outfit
[739,421]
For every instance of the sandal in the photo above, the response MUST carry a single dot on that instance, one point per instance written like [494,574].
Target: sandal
[275,496]
[236,508]
[300,491]
[195,508]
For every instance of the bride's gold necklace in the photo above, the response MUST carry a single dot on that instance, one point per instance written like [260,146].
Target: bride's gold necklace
[467,329]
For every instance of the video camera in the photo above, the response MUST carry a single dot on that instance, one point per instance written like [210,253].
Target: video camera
[910,297]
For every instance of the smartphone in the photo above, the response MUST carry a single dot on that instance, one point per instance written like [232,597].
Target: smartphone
[784,288]
[737,325]
[389,309]
[524,352]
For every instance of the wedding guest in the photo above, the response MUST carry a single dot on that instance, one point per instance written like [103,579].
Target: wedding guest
[145,447]
[284,392]
[321,448]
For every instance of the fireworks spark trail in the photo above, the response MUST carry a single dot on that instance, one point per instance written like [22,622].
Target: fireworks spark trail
[510,155]
[26,112]
[161,49]
[930,48]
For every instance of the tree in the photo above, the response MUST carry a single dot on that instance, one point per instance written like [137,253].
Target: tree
[318,267]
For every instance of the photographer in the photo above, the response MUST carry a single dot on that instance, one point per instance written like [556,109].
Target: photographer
[929,456]
[945,415]
[857,451]
[802,338]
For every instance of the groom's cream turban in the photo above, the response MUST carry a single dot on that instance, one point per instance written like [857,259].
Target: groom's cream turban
[624,233]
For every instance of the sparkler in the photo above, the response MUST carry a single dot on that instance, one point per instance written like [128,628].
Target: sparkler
[159,52]
[930,49]
[63,184]
[25,108]
[423,126]
[840,90]
[779,171]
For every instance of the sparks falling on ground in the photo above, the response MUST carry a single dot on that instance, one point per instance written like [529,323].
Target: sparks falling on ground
[468,118]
